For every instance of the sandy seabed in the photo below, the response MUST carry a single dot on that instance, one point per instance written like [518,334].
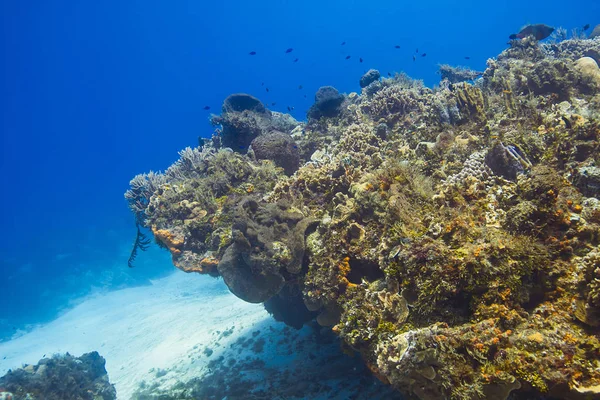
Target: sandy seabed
[143,329]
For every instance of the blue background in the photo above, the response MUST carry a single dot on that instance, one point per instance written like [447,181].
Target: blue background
[93,93]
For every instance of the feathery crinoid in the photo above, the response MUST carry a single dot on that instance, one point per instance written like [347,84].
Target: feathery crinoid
[141,242]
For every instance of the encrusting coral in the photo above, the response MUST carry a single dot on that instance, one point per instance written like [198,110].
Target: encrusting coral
[451,236]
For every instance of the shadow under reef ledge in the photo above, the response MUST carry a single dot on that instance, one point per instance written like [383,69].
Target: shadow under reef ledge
[273,361]
[451,236]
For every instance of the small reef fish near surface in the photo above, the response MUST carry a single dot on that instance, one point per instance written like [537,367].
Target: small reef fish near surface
[586,27]
[252,53]
[348,57]
[538,31]
[289,50]
[206,108]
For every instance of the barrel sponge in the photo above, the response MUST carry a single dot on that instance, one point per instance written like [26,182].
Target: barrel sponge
[278,147]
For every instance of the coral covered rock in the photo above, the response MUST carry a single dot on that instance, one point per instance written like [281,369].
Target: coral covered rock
[243,118]
[369,77]
[278,147]
[61,377]
[449,235]
[458,74]
[327,103]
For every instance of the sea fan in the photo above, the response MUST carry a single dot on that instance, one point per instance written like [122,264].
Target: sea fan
[141,242]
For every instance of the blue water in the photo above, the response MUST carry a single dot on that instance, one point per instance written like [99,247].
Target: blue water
[93,93]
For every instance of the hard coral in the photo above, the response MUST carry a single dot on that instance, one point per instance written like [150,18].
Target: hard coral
[450,236]
[243,118]
[61,377]
[278,147]
[327,103]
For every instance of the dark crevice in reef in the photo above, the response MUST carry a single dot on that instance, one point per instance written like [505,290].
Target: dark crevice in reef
[289,308]
[363,270]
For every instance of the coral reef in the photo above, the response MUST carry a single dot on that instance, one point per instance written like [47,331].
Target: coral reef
[61,377]
[451,236]
[280,148]
[458,74]
[327,103]
[369,77]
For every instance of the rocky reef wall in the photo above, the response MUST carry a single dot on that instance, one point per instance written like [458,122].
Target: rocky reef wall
[451,236]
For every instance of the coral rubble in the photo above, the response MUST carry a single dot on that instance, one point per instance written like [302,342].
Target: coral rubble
[451,236]
[61,377]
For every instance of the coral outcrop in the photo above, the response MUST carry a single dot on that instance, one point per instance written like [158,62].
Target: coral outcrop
[61,377]
[458,74]
[327,103]
[369,77]
[449,235]
[278,147]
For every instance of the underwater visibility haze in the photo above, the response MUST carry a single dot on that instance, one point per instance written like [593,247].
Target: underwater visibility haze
[368,200]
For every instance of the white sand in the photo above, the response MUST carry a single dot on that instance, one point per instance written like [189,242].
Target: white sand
[163,326]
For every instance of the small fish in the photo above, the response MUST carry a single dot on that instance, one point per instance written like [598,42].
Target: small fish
[389,74]
[262,84]
[396,47]
[300,87]
[273,103]
[467,58]
[289,50]
[252,53]
[424,55]
[414,58]
[296,60]
[304,96]
[267,89]
[289,109]
[348,57]
[417,50]
[343,43]
[360,60]
[206,108]
[586,27]
[538,31]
